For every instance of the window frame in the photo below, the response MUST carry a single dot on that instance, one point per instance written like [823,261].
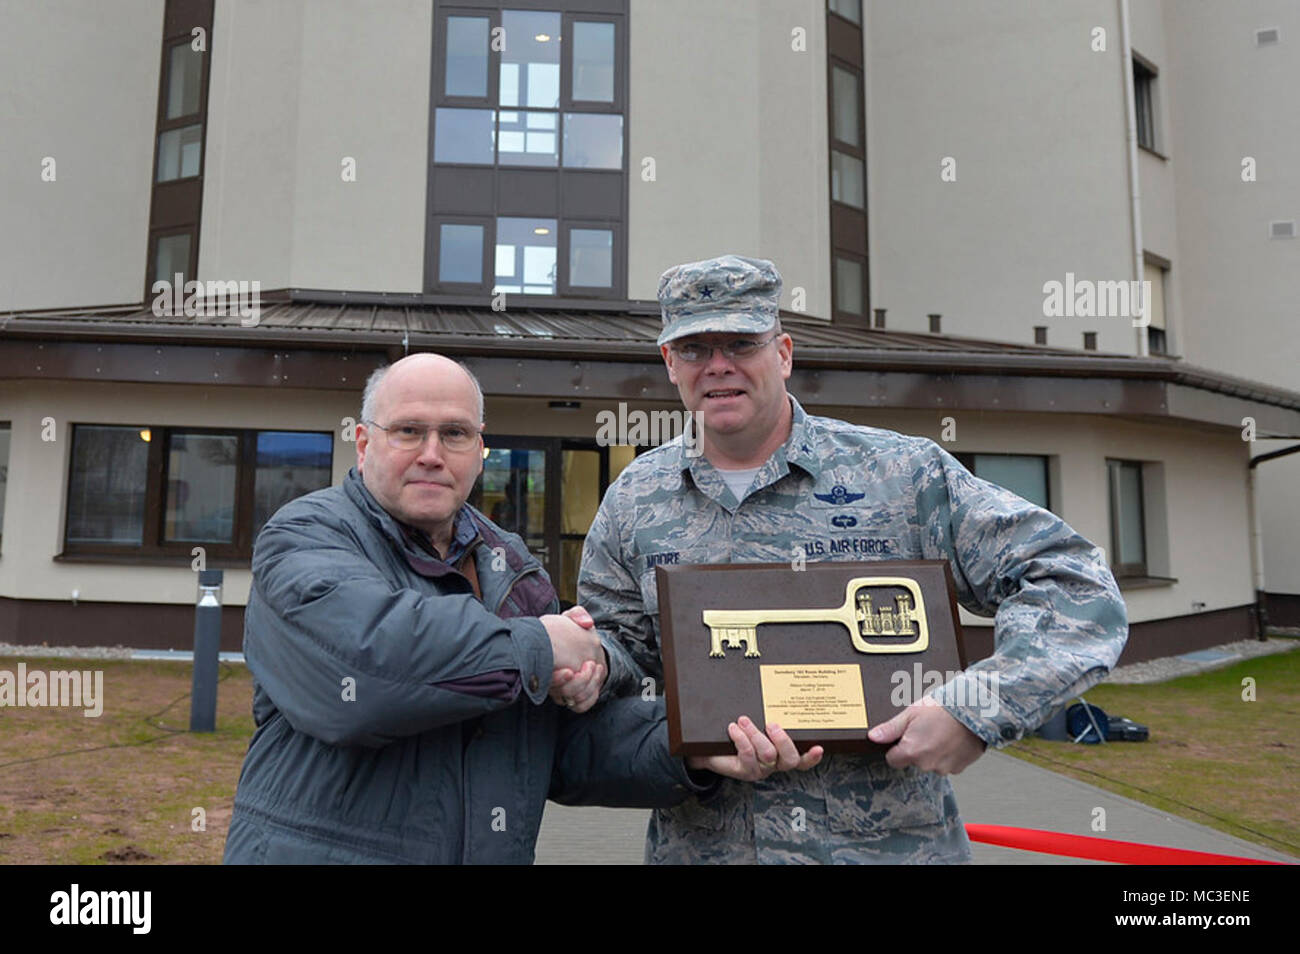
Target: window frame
[177,204]
[1126,570]
[153,548]
[570,105]
[444,99]
[1146,104]
[617,263]
[836,255]
[570,195]
[1163,266]
[486,253]
[191,264]
[848,223]
[199,118]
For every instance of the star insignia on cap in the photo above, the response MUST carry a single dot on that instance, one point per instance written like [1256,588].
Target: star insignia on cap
[706,291]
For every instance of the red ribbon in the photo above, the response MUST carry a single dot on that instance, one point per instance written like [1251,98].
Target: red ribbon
[1100,849]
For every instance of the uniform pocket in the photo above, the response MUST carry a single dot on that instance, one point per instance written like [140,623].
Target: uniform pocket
[869,796]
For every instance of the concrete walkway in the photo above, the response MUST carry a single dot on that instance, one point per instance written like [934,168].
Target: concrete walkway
[996,790]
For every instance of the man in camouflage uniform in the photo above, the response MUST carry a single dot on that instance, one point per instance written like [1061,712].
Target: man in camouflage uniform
[774,483]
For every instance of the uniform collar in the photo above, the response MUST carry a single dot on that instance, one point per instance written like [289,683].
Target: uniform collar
[799,450]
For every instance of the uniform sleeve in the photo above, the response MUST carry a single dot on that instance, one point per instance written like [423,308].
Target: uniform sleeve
[1059,620]
[352,658]
[610,593]
[617,755]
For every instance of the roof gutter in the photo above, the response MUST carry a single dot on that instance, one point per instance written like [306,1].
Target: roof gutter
[1135,190]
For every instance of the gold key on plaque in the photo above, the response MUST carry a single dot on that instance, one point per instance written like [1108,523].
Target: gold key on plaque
[856,614]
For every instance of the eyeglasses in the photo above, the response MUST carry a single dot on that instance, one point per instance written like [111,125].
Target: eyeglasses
[410,435]
[694,352]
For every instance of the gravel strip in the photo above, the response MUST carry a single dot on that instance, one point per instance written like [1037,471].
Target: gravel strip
[1171,667]
[66,652]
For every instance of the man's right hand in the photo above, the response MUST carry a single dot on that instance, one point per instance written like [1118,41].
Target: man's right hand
[571,644]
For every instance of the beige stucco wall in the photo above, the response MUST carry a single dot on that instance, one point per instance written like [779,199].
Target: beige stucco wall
[81,239]
[1231,100]
[348,80]
[735,120]
[1034,119]
[1204,477]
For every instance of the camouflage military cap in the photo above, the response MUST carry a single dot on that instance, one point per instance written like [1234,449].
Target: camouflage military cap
[729,293]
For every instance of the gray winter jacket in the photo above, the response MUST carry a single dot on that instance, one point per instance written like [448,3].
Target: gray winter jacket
[373,743]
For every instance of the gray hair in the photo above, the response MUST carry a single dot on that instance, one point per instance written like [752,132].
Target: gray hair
[377,376]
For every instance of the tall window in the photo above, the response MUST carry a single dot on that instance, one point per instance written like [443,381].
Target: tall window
[173,246]
[527,188]
[155,491]
[848,157]
[1155,271]
[1128,549]
[1144,93]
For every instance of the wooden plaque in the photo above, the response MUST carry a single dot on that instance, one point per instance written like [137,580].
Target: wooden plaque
[826,652]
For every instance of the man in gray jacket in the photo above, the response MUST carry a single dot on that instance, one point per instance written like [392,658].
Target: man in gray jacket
[402,648]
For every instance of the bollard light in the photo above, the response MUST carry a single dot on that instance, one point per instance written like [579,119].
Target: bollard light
[207,645]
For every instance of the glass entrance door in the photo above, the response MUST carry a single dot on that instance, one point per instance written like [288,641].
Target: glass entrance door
[512,492]
[547,489]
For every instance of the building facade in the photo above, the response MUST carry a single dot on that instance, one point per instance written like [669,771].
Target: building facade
[505,181]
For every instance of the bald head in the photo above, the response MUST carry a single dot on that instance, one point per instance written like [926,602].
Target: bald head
[416,371]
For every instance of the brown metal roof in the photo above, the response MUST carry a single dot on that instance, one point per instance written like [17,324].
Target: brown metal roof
[344,320]
[591,329]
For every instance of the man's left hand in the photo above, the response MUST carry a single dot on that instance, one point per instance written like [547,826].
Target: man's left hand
[579,690]
[757,755]
[925,735]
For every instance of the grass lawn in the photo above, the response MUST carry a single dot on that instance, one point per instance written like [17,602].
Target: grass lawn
[123,786]
[1212,757]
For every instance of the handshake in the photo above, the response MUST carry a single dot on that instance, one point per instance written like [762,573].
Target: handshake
[580,670]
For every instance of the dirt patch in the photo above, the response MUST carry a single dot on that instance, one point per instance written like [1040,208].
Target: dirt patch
[73,789]
[129,853]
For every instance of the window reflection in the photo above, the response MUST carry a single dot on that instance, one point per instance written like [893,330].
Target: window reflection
[467,56]
[530,62]
[593,141]
[525,256]
[464,135]
[593,62]
[591,257]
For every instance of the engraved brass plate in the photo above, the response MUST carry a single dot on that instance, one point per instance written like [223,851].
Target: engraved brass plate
[813,697]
